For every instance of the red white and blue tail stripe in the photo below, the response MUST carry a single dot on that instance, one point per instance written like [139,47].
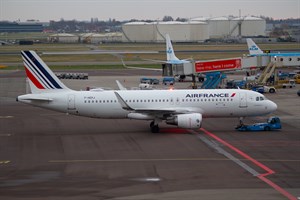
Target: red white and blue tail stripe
[41,77]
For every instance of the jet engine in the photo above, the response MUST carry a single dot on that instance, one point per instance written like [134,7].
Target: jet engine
[190,121]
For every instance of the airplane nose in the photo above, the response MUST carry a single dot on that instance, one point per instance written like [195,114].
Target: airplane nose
[273,106]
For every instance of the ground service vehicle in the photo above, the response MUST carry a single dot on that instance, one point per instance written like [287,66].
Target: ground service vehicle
[290,84]
[297,78]
[152,81]
[168,80]
[263,89]
[271,124]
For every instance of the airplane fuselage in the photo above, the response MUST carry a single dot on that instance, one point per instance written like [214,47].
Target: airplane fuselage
[105,104]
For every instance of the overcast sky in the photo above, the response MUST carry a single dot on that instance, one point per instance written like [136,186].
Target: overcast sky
[45,10]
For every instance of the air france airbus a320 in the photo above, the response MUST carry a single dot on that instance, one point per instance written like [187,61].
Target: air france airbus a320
[184,108]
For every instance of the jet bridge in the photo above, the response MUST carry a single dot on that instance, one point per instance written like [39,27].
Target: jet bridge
[173,69]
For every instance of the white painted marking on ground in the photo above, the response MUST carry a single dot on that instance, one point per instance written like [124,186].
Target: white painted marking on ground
[220,150]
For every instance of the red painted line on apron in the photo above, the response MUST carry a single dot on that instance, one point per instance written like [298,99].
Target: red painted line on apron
[259,164]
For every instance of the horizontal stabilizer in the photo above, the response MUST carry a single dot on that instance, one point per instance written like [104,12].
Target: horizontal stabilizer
[30,97]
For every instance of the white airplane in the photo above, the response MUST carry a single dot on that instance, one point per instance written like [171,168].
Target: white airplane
[254,50]
[184,108]
[171,57]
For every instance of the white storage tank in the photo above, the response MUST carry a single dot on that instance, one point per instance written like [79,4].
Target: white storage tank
[179,31]
[253,26]
[199,31]
[138,32]
[219,27]
[183,31]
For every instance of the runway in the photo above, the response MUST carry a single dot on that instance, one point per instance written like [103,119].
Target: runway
[49,155]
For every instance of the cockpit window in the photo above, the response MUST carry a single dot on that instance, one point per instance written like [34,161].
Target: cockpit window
[260,98]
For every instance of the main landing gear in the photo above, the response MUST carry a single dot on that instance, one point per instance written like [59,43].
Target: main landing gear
[154,127]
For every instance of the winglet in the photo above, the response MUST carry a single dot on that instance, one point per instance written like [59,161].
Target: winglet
[120,86]
[124,105]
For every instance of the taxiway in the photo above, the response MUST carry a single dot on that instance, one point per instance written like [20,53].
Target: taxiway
[49,155]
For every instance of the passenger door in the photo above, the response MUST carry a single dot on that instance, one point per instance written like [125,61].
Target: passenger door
[243,99]
[71,102]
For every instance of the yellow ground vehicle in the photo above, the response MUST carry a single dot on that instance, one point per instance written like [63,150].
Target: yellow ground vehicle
[297,78]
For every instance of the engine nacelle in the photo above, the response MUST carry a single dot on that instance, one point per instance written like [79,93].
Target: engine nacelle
[190,121]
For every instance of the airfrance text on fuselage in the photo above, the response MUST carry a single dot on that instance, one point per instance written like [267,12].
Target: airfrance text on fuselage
[200,95]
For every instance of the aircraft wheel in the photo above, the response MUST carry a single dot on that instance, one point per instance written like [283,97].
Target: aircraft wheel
[155,129]
[267,128]
[151,124]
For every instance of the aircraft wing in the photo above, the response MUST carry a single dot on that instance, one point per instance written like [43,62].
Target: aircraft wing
[98,52]
[158,111]
[156,61]
[144,68]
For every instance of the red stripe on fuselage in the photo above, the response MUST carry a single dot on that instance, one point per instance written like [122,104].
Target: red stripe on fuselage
[33,79]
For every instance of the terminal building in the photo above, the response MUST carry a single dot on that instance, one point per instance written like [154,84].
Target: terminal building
[14,27]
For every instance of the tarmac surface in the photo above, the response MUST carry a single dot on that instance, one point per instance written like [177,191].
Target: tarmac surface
[50,155]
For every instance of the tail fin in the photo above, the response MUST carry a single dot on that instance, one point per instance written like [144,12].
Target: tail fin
[170,50]
[41,78]
[253,48]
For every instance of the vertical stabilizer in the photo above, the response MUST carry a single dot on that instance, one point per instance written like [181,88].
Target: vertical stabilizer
[170,51]
[41,78]
[253,48]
